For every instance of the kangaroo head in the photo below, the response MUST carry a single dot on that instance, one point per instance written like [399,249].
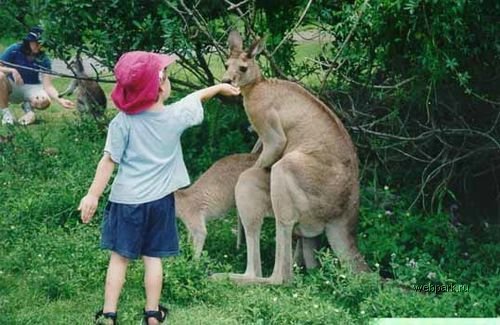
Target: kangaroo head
[77,65]
[241,68]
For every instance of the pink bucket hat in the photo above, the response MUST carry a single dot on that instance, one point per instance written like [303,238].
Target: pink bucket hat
[138,80]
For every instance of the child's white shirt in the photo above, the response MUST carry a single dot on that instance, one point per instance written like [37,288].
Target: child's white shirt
[147,147]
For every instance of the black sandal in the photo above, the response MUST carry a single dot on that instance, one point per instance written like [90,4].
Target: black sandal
[101,318]
[160,314]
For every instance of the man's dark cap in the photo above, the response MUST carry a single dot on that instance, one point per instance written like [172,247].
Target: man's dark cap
[34,34]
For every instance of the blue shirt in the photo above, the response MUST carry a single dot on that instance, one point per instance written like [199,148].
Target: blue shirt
[14,55]
[147,147]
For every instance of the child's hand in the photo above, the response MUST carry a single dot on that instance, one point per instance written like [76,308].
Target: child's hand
[228,90]
[87,207]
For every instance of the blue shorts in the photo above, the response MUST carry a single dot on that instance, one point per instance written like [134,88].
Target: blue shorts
[135,230]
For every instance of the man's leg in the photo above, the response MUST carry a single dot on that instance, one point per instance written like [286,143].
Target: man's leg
[29,115]
[5,113]
[115,278]
[153,280]
[35,97]
[40,100]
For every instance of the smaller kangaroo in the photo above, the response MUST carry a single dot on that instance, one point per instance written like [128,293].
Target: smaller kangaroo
[90,97]
[211,196]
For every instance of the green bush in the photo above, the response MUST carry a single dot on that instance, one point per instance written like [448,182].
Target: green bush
[52,270]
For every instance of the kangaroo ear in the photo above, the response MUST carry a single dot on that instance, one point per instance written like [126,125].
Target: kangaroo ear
[235,42]
[256,48]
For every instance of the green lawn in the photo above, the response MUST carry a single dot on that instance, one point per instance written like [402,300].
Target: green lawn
[52,270]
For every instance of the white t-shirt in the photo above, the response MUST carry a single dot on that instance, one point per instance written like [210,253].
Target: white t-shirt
[148,149]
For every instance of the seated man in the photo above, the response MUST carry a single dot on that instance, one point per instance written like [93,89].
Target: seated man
[19,85]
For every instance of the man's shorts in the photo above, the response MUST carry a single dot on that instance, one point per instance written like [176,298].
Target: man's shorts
[26,92]
[147,229]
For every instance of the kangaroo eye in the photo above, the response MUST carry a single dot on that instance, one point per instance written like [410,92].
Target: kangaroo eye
[243,69]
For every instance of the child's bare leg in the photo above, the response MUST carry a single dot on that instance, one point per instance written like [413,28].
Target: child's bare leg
[153,280]
[115,277]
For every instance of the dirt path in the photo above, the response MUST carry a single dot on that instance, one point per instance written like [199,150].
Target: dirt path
[60,67]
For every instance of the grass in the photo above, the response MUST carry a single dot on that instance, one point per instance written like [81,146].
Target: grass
[52,270]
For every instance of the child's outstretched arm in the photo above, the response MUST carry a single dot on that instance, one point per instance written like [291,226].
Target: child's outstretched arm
[88,204]
[223,89]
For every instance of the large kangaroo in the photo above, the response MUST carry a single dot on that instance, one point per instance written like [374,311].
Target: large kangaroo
[90,98]
[307,172]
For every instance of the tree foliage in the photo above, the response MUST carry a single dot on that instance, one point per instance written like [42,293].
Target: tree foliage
[422,75]
[415,81]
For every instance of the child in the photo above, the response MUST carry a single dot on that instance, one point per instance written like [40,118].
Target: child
[144,140]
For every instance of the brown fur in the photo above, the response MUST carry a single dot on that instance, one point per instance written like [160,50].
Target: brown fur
[307,173]
[211,196]
[90,98]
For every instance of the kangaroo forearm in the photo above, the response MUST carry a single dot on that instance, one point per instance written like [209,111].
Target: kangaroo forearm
[271,154]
